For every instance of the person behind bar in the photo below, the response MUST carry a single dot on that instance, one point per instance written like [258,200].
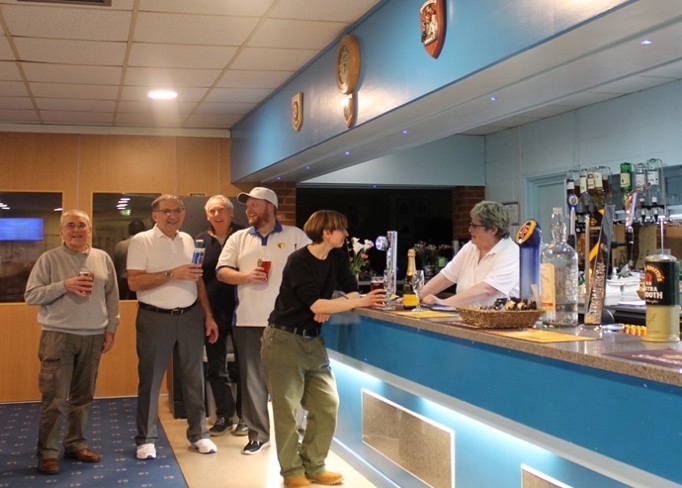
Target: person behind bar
[221,297]
[296,363]
[168,288]
[486,268]
[241,264]
[135,226]
[76,288]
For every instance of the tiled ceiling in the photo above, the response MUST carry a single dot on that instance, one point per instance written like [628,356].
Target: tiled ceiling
[88,65]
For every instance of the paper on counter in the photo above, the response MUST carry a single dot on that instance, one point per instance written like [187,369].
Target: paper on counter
[539,335]
[424,314]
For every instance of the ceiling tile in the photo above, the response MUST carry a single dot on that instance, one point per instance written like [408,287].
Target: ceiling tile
[167,56]
[56,22]
[253,58]
[5,49]
[212,120]
[333,10]
[237,8]
[70,52]
[139,93]
[13,89]
[235,78]
[296,34]
[170,77]
[232,108]
[19,116]
[9,71]
[149,120]
[65,90]
[62,73]
[75,105]
[156,106]
[193,29]
[68,117]
[237,94]
[20,103]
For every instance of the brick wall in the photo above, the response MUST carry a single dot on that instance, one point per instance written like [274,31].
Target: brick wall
[463,200]
[286,195]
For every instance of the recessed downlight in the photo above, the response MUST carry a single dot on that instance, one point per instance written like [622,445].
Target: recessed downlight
[162,94]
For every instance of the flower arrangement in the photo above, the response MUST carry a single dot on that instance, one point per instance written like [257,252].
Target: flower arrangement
[357,253]
[427,253]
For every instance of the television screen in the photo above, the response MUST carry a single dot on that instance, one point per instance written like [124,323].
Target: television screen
[21,229]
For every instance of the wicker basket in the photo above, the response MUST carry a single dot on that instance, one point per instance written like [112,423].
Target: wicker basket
[498,319]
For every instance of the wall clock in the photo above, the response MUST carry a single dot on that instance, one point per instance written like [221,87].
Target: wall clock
[347,64]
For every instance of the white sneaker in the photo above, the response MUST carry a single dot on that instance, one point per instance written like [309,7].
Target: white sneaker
[146,451]
[204,446]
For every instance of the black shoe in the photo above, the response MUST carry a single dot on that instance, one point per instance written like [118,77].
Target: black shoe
[254,447]
[241,429]
[220,427]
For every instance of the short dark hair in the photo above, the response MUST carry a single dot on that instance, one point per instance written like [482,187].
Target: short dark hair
[323,220]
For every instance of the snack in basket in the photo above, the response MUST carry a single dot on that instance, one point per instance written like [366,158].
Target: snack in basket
[511,304]
[504,313]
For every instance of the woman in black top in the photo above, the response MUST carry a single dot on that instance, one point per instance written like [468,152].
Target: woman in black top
[296,363]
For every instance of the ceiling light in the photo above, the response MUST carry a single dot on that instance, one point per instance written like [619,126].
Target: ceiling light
[162,94]
[493,98]
[646,42]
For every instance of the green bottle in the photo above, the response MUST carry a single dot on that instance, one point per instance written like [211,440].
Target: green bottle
[626,177]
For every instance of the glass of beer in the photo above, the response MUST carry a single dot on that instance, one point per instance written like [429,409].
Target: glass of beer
[265,263]
[376,283]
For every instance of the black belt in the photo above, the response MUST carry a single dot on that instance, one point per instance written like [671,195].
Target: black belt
[172,311]
[305,332]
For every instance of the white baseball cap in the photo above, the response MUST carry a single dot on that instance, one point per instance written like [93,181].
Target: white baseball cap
[259,193]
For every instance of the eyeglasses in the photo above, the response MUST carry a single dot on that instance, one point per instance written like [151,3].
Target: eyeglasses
[170,211]
[471,224]
[74,226]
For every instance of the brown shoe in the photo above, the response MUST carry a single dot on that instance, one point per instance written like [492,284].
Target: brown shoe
[295,481]
[48,466]
[327,478]
[84,455]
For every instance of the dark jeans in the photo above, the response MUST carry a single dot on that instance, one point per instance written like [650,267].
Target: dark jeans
[216,373]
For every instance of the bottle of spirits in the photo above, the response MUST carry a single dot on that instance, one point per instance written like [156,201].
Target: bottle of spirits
[409,297]
[626,177]
[640,188]
[653,184]
[559,277]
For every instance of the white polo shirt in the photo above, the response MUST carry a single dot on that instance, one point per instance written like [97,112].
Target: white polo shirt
[152,251]
[242,250]
[499,268]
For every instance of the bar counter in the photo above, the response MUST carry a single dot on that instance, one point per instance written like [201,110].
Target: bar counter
[565,413]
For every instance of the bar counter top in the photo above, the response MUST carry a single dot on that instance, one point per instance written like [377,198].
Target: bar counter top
[592,353]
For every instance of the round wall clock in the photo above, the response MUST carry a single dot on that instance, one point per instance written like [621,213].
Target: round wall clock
[347,64]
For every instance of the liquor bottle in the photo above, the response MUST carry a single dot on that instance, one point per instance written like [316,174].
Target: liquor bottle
[409,297]
[559,277]
[585,201]
[640,188]
[199,252]
[595,187]
[653,185]
[626,177]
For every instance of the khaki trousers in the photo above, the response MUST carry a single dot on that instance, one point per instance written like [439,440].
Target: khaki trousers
[297,372]
[68,372]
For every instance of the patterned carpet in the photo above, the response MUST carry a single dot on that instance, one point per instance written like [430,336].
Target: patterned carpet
[111,432]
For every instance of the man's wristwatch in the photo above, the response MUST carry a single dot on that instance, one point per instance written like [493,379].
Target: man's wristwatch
[168,273]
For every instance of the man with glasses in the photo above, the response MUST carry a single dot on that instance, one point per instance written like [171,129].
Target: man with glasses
[76,288]
[486,268]
[173,310]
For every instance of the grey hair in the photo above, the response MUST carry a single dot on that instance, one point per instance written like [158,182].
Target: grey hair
[224,201]
[78,213]
[492,214]
[166,196]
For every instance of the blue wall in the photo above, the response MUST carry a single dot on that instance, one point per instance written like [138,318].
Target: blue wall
[396,69]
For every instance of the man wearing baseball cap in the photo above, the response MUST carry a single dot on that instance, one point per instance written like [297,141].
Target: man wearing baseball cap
[244,262]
